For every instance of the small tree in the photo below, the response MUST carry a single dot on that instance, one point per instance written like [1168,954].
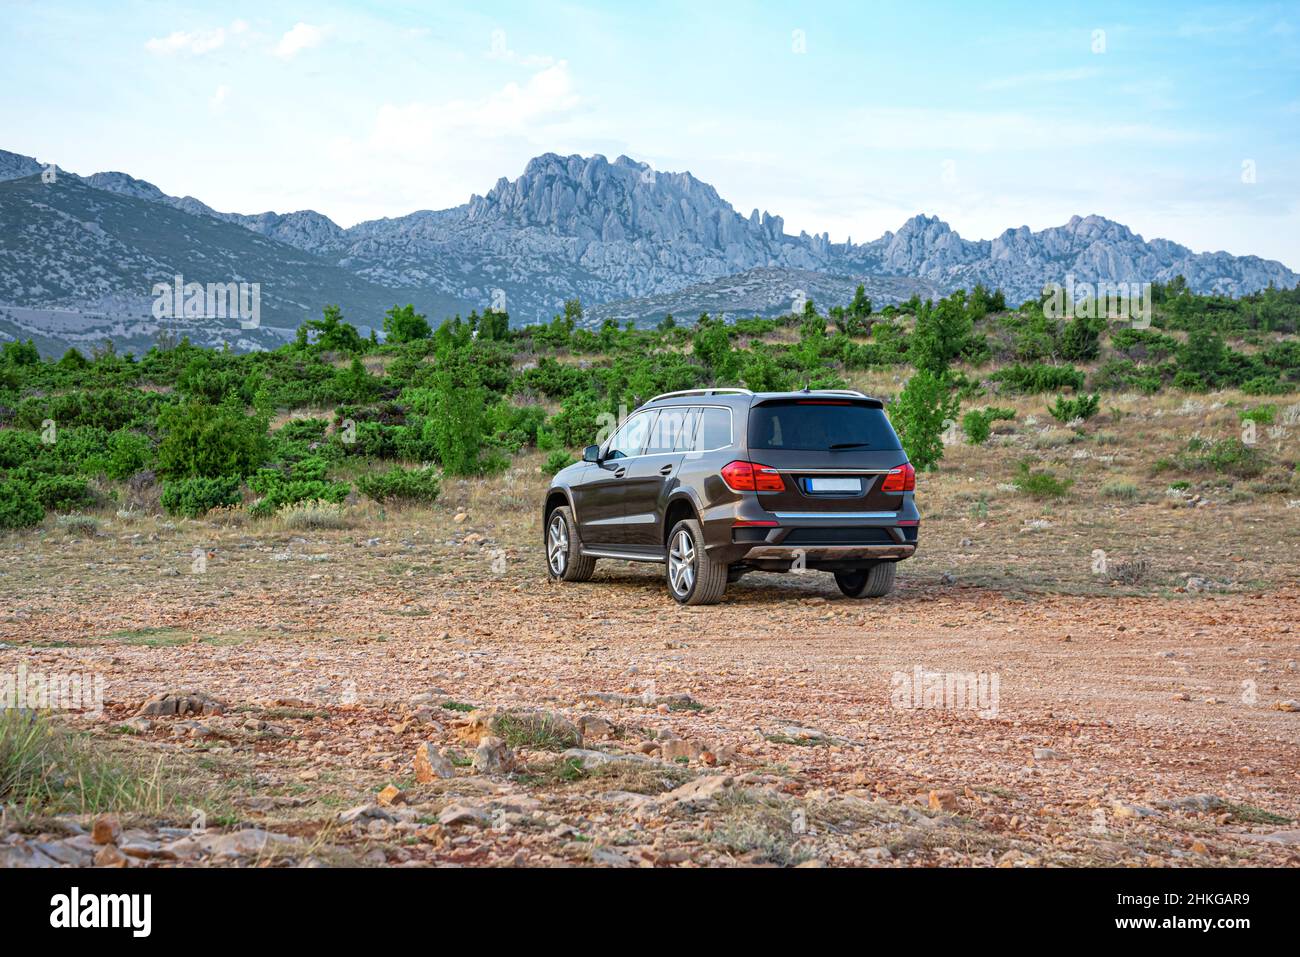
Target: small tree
[921,413]
[404,324]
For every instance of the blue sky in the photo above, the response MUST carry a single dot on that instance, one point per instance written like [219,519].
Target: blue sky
[842,117]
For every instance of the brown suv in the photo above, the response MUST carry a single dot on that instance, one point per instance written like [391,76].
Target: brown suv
[715,483]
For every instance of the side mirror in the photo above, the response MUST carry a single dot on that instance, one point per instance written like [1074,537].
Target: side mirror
[591,453]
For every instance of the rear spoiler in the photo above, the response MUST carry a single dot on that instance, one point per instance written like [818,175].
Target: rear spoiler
[839,395]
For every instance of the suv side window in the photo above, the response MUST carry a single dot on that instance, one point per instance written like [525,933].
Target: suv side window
[630,438]
[714,431]
[686,438]
[666,436]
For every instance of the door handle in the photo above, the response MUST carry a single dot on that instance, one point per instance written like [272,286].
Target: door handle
[666,470]
[620,472]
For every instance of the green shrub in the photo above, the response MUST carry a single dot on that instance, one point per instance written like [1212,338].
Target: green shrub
[1127,491]
[193,497]
[126,454]
[1040,483]
[1037,377]
[19,507]
[1143,344]
[208,441]
[1080,339]
[1125,375]
[977,424]
[557,460]
[1227,456]
[312,514]
[61,493]
[18,447]
[1261,414]
[399,484]
[1264,385]
[1066,409]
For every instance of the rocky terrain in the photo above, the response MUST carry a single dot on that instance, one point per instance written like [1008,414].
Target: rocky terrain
[409,690]
[606,232]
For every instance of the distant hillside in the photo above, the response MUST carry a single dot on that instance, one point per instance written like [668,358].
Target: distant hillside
[626,239]
[761,292]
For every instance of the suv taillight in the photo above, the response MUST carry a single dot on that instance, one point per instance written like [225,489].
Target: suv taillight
[752,477]
[901,479]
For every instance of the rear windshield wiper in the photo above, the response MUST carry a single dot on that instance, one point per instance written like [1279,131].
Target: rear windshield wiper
[849,445]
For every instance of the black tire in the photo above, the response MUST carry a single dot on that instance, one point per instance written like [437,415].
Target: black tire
[693,577]
[563,551]
[873,582]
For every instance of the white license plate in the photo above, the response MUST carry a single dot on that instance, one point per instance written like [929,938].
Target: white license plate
[834,485]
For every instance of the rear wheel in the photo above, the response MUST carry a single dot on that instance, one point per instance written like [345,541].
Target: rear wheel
[564,558]
[693,577]
[870,582]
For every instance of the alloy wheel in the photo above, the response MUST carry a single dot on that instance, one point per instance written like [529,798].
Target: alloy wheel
[681,563]
[557,545]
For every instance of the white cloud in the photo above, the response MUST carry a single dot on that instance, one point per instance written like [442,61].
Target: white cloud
[303,36]
[182,41]
[218,101]
[513,110]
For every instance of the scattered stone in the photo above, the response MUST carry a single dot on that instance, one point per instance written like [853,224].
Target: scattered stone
[589,759]
[456,814]
[391,795]
[178,703]
[110,856]
[1195,802]
[1047,754]
[700,791]
[1125,811]
[676,750]
[365,813]
[248,842]
[593,727]
[431,764]
[460,517]
[1289,705]
[493,757]
[106,830]
[943,800]
[1288,838]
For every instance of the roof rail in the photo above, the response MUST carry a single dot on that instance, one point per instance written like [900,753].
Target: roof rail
[670,395]
[844,392]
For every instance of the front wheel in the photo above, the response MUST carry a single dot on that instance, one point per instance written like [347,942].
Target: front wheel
[693,577]
[564,558]
[870,582]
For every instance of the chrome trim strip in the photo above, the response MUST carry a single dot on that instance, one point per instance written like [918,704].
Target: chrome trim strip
[602,553]
[836,514]
[834,471]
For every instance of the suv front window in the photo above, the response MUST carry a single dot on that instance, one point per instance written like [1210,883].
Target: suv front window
[630,438]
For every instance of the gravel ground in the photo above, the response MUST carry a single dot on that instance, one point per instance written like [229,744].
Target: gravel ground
[945,724]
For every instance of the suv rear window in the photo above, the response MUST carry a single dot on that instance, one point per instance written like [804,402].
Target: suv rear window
[819,424]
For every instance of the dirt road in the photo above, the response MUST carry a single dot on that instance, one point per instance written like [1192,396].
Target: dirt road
[944,724]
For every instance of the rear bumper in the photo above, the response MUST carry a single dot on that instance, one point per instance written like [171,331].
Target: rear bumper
[745,534]
[828,553]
